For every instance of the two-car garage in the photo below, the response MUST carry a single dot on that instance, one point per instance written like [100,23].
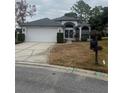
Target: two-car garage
[43,30]
[41,34]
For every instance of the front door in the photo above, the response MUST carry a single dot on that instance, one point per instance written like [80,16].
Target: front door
[69,33]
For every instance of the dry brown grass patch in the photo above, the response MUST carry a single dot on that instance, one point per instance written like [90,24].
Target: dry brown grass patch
[79,55]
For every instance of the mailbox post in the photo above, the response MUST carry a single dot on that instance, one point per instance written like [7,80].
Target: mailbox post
[94,47]
[96,52]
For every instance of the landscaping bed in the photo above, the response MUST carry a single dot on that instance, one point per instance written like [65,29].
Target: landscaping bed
[79,55]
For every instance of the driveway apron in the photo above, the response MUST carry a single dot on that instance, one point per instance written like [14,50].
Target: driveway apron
[32,52]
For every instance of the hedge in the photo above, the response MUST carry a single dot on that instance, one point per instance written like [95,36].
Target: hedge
[84,37]
[60,38]
[96,33]
[21,37]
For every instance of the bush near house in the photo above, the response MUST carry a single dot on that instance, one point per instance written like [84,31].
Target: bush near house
[60,38]
[84,37]
[97,33]
[19,38]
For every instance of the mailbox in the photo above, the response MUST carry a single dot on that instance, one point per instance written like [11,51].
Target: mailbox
[93,44]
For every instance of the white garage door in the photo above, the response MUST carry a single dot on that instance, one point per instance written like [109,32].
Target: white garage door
[40,34]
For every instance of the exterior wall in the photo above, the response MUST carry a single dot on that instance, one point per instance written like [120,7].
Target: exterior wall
[41,34]
[24,30]
[60,29]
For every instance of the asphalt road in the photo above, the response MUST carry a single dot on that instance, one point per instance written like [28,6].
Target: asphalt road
[40,80]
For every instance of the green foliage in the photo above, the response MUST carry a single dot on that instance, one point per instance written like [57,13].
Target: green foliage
[96,17]
[97,34]
[60,38]
[105,16]
[99,20]
[15,34]
[84,37]
[96,11]
[71,14]
[21,37]
[82,9]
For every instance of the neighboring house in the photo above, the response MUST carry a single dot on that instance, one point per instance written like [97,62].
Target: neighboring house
[45,30]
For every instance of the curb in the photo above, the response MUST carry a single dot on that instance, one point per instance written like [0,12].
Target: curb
[82,72]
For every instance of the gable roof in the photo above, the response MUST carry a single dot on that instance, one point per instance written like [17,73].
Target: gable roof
[66,18]
[46,22]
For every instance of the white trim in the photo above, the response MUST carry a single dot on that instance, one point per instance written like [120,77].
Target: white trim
[74,22]
[69,28]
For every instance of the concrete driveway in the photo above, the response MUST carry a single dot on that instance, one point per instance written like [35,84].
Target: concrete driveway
[32,52]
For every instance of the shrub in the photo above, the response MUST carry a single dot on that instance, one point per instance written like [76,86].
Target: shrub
[21,37]
[84,37]
[17,42]
[15,34]
[60,38]
[99,36]
[95,33]
[77,36]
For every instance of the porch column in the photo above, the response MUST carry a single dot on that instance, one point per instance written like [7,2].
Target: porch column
[80,32]
[74,31]
[89,33]
[63,32]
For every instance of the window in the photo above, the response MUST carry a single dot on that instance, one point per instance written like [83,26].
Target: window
[66,33]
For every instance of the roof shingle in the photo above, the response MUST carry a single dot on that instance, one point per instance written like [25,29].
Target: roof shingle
[46,22]
[66,18]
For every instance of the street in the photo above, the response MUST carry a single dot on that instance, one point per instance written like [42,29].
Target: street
[41,80]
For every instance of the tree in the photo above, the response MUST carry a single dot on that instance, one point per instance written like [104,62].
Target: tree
[71,14]
[96,11]
[99,20]
[23,9]
[105,16]
[82,9]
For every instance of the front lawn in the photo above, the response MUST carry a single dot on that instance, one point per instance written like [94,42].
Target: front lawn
[79,55]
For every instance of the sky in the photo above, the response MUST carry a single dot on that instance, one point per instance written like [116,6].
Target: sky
[57,8]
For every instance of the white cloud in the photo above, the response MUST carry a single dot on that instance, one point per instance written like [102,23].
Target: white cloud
[57,8]
[94,3]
